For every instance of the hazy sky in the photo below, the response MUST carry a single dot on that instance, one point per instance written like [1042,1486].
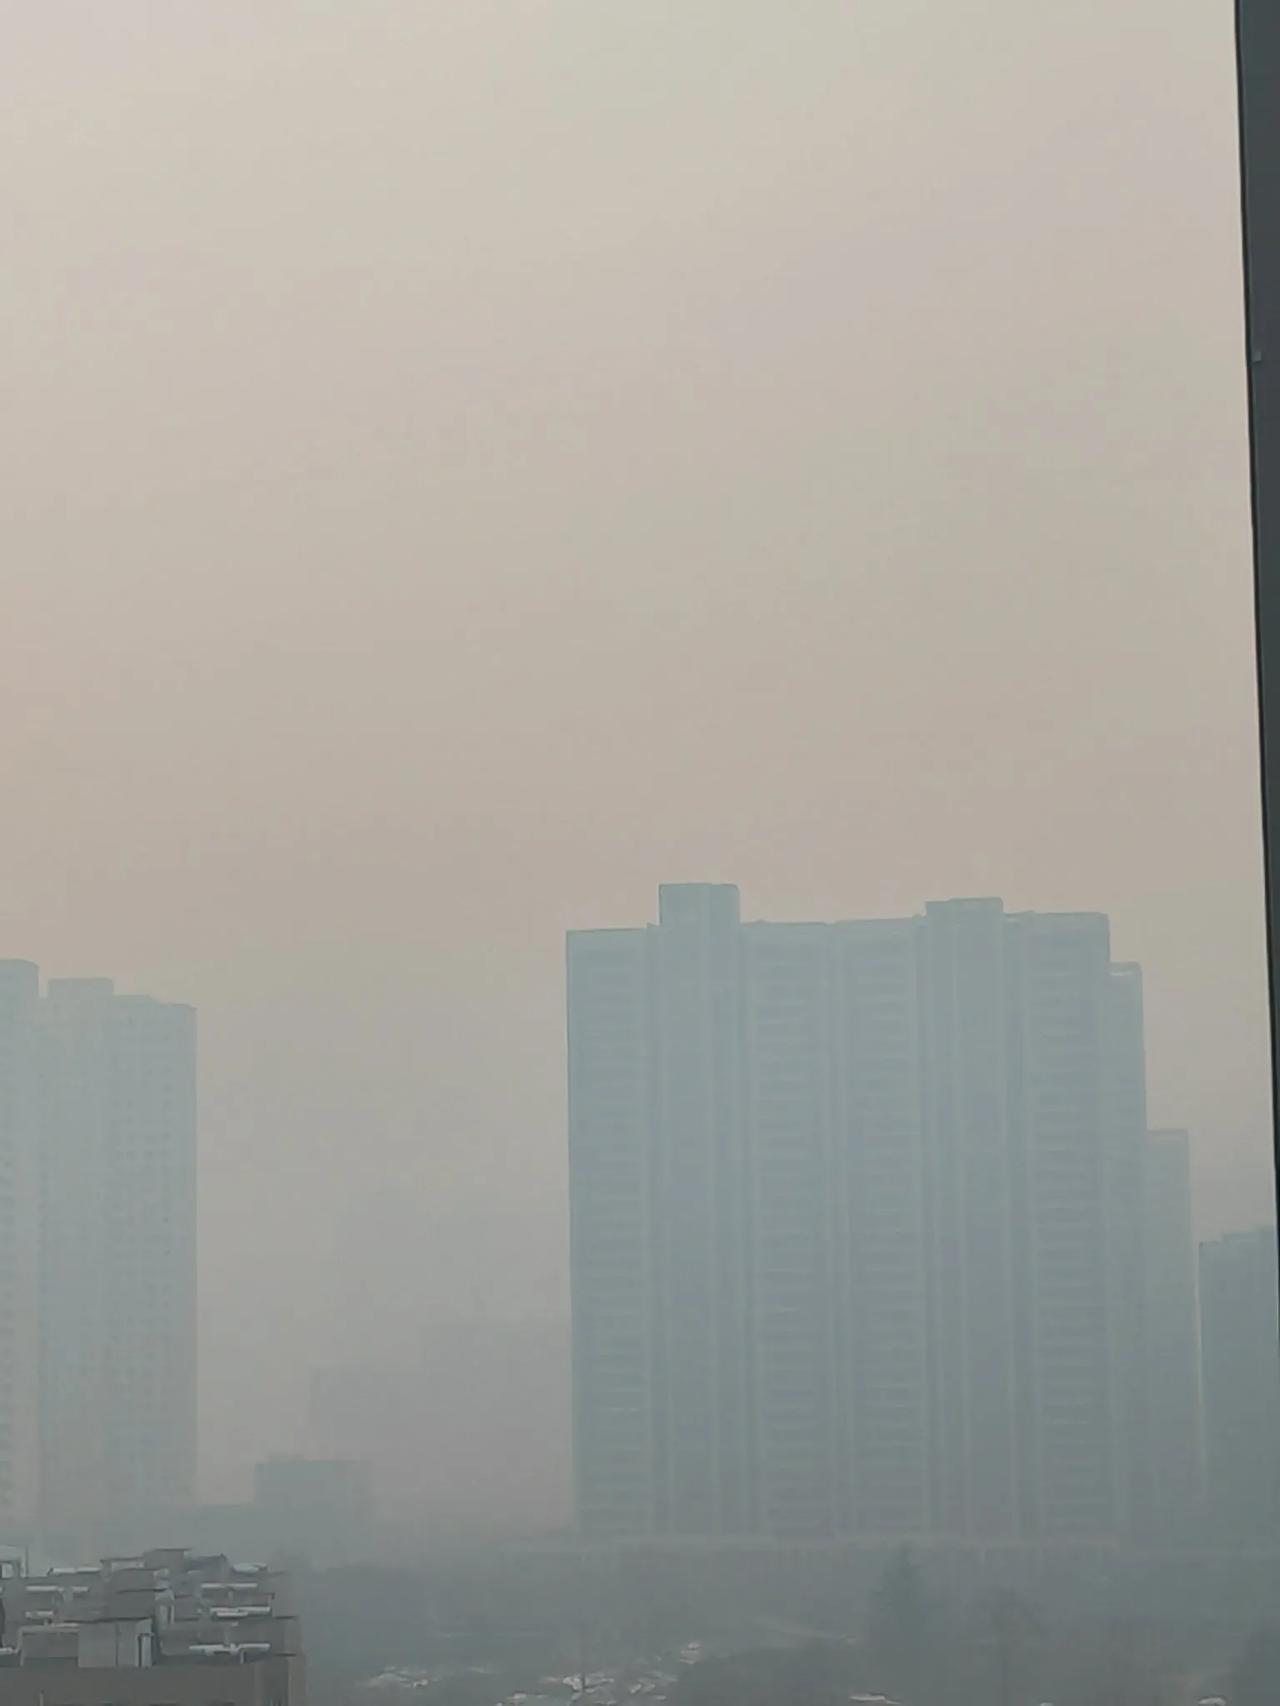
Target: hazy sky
[467,461]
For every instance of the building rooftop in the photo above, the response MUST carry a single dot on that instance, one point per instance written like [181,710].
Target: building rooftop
[167,1607]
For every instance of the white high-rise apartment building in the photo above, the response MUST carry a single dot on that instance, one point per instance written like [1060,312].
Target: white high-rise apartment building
[98,1279]
[856,1216]
[118,1256]
[659,1206]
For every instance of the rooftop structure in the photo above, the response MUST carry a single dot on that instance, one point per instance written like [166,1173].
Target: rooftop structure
[167,1628]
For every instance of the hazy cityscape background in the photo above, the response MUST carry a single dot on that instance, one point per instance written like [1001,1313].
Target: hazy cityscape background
[466,465]
[638,614]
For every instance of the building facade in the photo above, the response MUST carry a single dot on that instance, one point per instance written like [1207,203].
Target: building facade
[1240,1377]
[118,1273]
[98,1134]
[1172,1369]
[856,1224]
[19,1219]
[164,1628]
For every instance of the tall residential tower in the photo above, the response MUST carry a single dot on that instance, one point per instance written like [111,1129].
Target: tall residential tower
[118,1259]
[97,1256]
[857,1224]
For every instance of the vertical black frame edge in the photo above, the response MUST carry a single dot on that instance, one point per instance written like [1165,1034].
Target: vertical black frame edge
[1257,33]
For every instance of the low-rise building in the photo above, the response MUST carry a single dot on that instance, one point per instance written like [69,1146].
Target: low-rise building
[168,1628]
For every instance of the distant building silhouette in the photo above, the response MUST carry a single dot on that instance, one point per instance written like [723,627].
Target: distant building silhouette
[118,1236]
[19,1250]
[1240,1341]
[321,1508]
[857,1224]
[1171,1370]
[100,1088]
[467,1440]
